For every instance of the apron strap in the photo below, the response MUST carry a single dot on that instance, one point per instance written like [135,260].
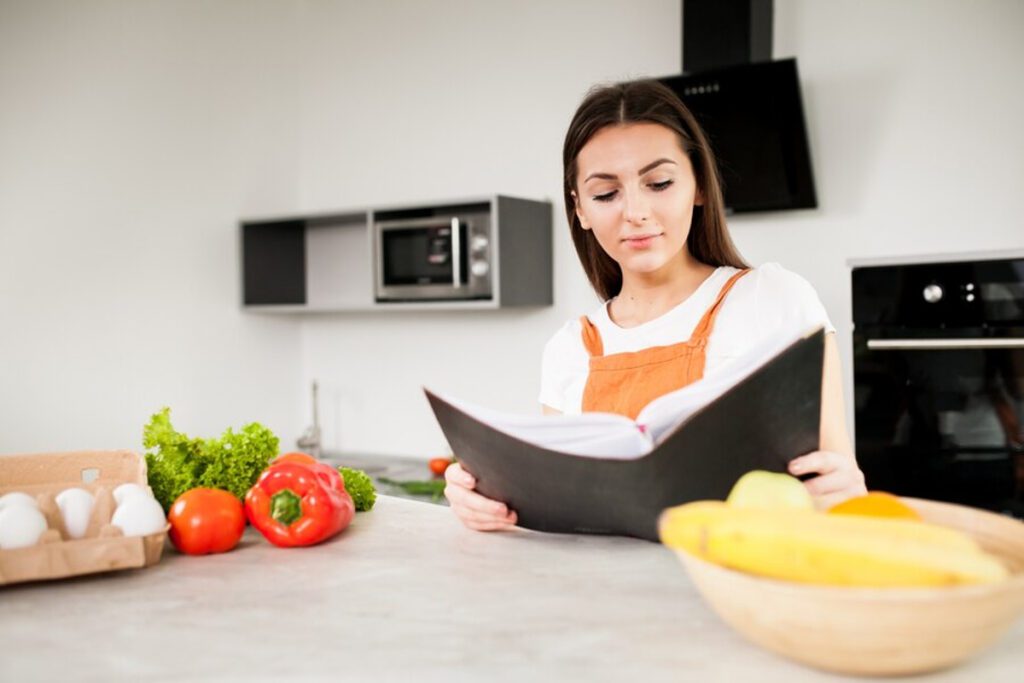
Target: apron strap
[707,322]
[591,337]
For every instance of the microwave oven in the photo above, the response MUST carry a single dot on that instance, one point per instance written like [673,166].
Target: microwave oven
[438,258]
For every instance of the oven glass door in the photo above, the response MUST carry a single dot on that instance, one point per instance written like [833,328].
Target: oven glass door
[942,419]
[422,255]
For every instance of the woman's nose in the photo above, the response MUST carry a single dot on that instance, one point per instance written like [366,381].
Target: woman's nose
[636,208]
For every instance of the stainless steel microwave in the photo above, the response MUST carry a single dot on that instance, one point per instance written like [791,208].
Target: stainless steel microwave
[439,258]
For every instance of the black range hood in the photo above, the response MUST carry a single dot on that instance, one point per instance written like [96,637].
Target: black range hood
[749,105]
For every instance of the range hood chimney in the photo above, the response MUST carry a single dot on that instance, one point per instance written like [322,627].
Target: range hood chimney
[719,33]
[749,105]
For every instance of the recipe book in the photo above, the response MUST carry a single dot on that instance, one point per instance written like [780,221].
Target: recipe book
[604,473]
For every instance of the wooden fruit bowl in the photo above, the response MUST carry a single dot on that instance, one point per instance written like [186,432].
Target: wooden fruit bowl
[876,631]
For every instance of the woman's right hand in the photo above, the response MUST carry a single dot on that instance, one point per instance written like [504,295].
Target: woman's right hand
[475,511]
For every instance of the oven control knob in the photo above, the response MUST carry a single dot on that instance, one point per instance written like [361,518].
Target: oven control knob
[932,294]
[478,243]
[479,268]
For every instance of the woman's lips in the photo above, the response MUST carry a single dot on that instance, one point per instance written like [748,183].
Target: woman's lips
[641,241]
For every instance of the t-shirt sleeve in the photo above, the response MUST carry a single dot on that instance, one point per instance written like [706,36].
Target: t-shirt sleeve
[560,366]
[786,300]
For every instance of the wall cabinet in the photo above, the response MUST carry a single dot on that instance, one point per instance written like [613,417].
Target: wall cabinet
[487,253]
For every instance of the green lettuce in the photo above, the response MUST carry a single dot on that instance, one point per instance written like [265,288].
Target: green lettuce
[177,463]
[360,487]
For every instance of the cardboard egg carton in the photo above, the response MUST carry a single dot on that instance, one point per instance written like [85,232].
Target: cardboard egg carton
[104,547]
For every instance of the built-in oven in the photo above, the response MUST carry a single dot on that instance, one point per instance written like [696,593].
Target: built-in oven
[939,380]
[438,257]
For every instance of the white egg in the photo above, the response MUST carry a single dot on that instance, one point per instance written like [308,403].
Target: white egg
[76,508]
[138,516]
[129,489]
[17,498]
[20,526]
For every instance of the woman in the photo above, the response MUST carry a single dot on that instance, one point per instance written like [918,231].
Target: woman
[645,210]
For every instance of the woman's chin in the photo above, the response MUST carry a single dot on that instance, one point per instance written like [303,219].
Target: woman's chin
[643,264]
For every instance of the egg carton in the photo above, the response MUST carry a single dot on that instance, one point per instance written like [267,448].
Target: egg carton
[104,547]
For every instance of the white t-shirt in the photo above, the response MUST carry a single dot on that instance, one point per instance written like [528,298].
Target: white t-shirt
[766,300]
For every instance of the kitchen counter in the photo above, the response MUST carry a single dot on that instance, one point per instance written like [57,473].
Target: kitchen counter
[405,593]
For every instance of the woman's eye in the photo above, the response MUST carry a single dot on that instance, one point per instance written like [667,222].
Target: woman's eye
[663,185]
[606,197]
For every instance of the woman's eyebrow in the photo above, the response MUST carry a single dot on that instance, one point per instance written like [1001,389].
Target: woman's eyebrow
[645,169]
[653,165]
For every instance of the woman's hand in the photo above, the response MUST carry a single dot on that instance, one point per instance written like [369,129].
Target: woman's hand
[475,511]
[838,477]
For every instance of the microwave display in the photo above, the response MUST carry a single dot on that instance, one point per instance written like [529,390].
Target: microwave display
[423,255]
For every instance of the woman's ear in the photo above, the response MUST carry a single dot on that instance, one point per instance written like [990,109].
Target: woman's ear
[579,214]
[698,198]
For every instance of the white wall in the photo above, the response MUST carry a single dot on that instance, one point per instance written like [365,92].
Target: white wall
[913,110]
[133,135]
[472,101]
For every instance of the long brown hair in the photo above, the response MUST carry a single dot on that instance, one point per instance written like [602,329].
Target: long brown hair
[646,102]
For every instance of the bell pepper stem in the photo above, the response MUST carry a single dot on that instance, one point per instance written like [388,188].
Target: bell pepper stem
[285,506]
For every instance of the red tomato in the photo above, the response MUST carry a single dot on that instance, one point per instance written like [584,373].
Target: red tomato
[439,465]
[301,458]
[206,521]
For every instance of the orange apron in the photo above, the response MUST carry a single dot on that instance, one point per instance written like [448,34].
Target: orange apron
[626,382]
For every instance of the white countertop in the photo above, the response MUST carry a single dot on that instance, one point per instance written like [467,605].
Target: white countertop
[405,593]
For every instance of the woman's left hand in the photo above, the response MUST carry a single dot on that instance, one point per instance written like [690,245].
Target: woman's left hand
[838,477]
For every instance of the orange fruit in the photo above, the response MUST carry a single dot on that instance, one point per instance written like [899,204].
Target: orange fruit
[875,504]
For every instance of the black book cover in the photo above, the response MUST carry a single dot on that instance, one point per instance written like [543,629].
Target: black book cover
[768,418]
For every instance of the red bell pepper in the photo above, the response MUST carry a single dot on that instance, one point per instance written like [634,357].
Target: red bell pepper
[336,480]
[297,504]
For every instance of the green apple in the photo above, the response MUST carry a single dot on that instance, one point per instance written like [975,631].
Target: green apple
[769,490]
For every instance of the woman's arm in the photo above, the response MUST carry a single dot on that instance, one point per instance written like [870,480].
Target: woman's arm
[838,477]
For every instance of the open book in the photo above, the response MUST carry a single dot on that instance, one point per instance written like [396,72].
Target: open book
[606,473]
[608,435]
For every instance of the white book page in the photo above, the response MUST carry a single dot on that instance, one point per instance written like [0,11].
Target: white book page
[598,435]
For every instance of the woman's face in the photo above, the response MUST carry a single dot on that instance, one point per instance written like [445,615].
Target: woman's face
[635,190]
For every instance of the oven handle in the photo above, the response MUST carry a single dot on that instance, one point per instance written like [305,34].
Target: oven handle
[456,254]
[939,344]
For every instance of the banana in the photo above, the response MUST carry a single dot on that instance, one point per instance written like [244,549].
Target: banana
[810,547]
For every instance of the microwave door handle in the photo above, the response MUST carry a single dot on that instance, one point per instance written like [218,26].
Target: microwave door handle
[940,344]
[456,255]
